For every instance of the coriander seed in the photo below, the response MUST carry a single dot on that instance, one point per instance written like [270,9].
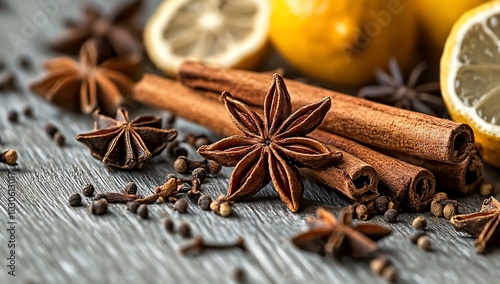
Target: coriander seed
[449,211]
[9,157]
[181,206]
[416,235]
[486,189]
[419,223]
[440,196]
[88,190]
[142,211]
[424,243]
[361,212]
[437,208]
[225,209]
[391,215]
[131,188]
[75,200]
[389,274]
[378,264]
[204,202]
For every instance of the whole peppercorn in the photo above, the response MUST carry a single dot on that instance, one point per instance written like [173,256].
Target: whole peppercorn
[59,139]
[204,202]
[238,275]
[214,206]
[449,211]
[436,208]
[361,212]
[184,230]
[75,200]
[98,207]
[419,223]
[200,173]
[225,209]
[51,129]
[391,215]
[12,116]
[28,111]
[486,189]
[88,190]
[424,243]
[168,224]
[142,211]
[131,188]
[181,206]
[381,203]
[132,206]
[416,235]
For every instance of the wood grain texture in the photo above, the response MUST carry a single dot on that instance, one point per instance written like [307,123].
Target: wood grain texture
[59,244]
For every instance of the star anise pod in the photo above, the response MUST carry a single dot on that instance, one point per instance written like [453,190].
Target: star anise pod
[271,149]
[117,34]
[329,235]
[392,90]
[87,85]
[485,225]
[126,144]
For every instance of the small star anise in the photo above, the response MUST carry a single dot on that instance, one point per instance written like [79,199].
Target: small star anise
[116,35]
[273,148]
[485,225]
[392,90]
[328,235]
[87,85]
[126,144]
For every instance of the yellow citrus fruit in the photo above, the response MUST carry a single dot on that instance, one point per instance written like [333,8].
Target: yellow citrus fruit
[470,75]
[435,20]
[343,41]
[229,33]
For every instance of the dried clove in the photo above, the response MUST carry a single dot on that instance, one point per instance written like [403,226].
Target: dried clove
[75,200]
[199,245]
[198,173]
[176,150]
[116,197]
[9,157]
[88,190]
[183,165]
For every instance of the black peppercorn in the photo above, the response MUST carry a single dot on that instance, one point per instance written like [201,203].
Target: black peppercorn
[75,200]
[238,275]
[132,206]
[391,215]
[181,206]
[381,203]
[12,116]
[98,207]
[168,224]
[59,139]
[184,230]
[51,129]
[131,188]
[204,202]
[416,235]
[142,211]
[28,111]
[88,190]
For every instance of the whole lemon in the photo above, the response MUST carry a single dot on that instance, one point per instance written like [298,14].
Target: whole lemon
[435,20]
[343,41]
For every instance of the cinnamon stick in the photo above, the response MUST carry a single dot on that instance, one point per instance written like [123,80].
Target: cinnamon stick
[352,177]
[367,122]
[464,177]
[409,186]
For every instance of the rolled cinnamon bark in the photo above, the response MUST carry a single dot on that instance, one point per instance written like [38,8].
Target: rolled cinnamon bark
[464,177]
[368,122]
[352,177]
[409,186]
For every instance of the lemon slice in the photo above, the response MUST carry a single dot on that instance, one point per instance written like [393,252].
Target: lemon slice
[470,75]
[229,33]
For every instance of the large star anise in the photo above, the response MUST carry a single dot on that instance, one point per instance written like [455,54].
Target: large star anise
[116,34]
[392,90]
[126,144]
[87,85]
[273,148]
[485,225]
[328,235]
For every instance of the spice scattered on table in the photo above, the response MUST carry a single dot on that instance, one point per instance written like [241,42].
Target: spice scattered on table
[383,267]
[199,245]
[181,206]
[143,211]
[13,116]
[75,200]
[98,207]
[131,188]
[51,129]
[419,223]
[273,148]
[126,144]
[486,189]
[183,165]
[168,224]
[184,229]
[28,111]
[424,243]
[116,197]
[162,192]
[204,202]
[59,139]
[391,215]
[339,237]
[132,206]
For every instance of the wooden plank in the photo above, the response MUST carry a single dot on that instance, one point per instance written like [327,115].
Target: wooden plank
[59,244]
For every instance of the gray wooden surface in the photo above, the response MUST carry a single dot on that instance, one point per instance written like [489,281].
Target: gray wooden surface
[56,243]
